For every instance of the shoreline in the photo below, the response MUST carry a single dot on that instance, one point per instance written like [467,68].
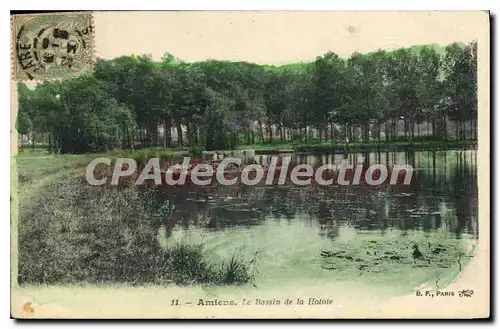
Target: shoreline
[263,149]
[367,147]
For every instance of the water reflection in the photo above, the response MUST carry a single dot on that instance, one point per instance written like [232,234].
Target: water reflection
[443,196]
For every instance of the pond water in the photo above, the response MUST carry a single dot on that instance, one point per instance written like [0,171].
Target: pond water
[351,233]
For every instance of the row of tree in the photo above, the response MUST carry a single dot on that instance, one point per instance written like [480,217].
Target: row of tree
[133,101]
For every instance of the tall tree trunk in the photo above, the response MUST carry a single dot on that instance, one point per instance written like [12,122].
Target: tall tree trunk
[247,135]
[445,127]
[366,131]
[270,131]
[166,133]
[180,140]
[348,131]
[196,131]
[169,134]
[464,132]
[394,129]
[154,133]
[189,138]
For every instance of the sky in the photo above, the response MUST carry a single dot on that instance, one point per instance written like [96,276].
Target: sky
[275,37]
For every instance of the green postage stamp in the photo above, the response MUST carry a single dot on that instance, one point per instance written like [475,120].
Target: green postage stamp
[52,45]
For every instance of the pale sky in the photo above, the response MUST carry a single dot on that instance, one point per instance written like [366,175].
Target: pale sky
[276,37]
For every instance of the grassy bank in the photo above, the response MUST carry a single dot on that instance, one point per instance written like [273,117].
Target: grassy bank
[73,233]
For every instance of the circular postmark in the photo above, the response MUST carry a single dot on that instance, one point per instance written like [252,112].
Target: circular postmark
[53,46]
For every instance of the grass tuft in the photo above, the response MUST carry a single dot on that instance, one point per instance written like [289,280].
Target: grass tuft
[79,234]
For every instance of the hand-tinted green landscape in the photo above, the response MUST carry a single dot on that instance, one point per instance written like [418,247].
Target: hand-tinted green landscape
[414,106]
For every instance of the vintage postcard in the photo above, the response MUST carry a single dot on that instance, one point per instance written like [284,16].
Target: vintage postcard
[250,165]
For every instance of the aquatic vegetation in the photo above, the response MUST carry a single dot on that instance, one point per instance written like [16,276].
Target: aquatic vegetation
[76,233]
[386,256]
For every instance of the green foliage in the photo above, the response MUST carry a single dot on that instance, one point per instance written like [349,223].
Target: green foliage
[23,124]
[236,271]
[460,85]
[221,104]
[195,151]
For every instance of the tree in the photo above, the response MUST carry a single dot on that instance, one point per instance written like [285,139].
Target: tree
[219,104]
[329,80]
[429,89]
[460,70]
